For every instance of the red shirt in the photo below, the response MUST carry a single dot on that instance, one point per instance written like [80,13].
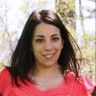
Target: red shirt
[70,87]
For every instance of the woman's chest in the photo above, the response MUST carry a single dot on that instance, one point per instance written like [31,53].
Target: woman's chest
[62,90]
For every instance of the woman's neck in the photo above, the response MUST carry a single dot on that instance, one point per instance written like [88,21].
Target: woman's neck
[47,78]
[47,71]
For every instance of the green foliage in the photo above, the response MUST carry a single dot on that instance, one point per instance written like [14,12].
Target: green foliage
[66,10]
[88,48]
[71,30]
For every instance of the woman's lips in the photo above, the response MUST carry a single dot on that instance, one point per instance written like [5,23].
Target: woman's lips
[48,56]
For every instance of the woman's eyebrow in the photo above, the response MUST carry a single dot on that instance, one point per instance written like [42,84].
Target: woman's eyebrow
[43,35]
[39,36]
[55,35]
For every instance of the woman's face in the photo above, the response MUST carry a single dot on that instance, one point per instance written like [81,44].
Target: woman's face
[46,44]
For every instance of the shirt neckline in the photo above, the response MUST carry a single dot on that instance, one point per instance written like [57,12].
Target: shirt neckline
[49,89]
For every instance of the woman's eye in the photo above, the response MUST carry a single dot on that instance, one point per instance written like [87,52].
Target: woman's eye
[39,40]
[55,39]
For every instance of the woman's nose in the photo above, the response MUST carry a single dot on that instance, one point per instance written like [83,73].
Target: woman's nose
[48,45]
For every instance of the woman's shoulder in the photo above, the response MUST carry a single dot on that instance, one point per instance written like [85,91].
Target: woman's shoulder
[4,73]
[5,78]
[82,81]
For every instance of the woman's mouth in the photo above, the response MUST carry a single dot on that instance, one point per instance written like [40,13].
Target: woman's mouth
[48,56]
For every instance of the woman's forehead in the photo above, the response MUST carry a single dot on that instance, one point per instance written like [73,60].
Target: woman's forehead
[45,29]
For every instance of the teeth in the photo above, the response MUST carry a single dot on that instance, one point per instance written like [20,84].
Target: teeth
[49,56]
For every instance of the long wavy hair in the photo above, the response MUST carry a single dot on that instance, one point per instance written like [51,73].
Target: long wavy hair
[22,60]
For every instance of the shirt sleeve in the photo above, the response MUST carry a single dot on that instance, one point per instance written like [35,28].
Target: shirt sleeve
[5,80]
[89,86]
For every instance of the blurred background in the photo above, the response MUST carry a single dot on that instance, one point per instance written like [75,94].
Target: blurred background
[79,16]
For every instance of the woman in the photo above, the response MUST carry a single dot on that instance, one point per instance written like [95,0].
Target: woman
[44,62]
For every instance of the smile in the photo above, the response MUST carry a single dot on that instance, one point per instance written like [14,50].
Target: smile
[48,56]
